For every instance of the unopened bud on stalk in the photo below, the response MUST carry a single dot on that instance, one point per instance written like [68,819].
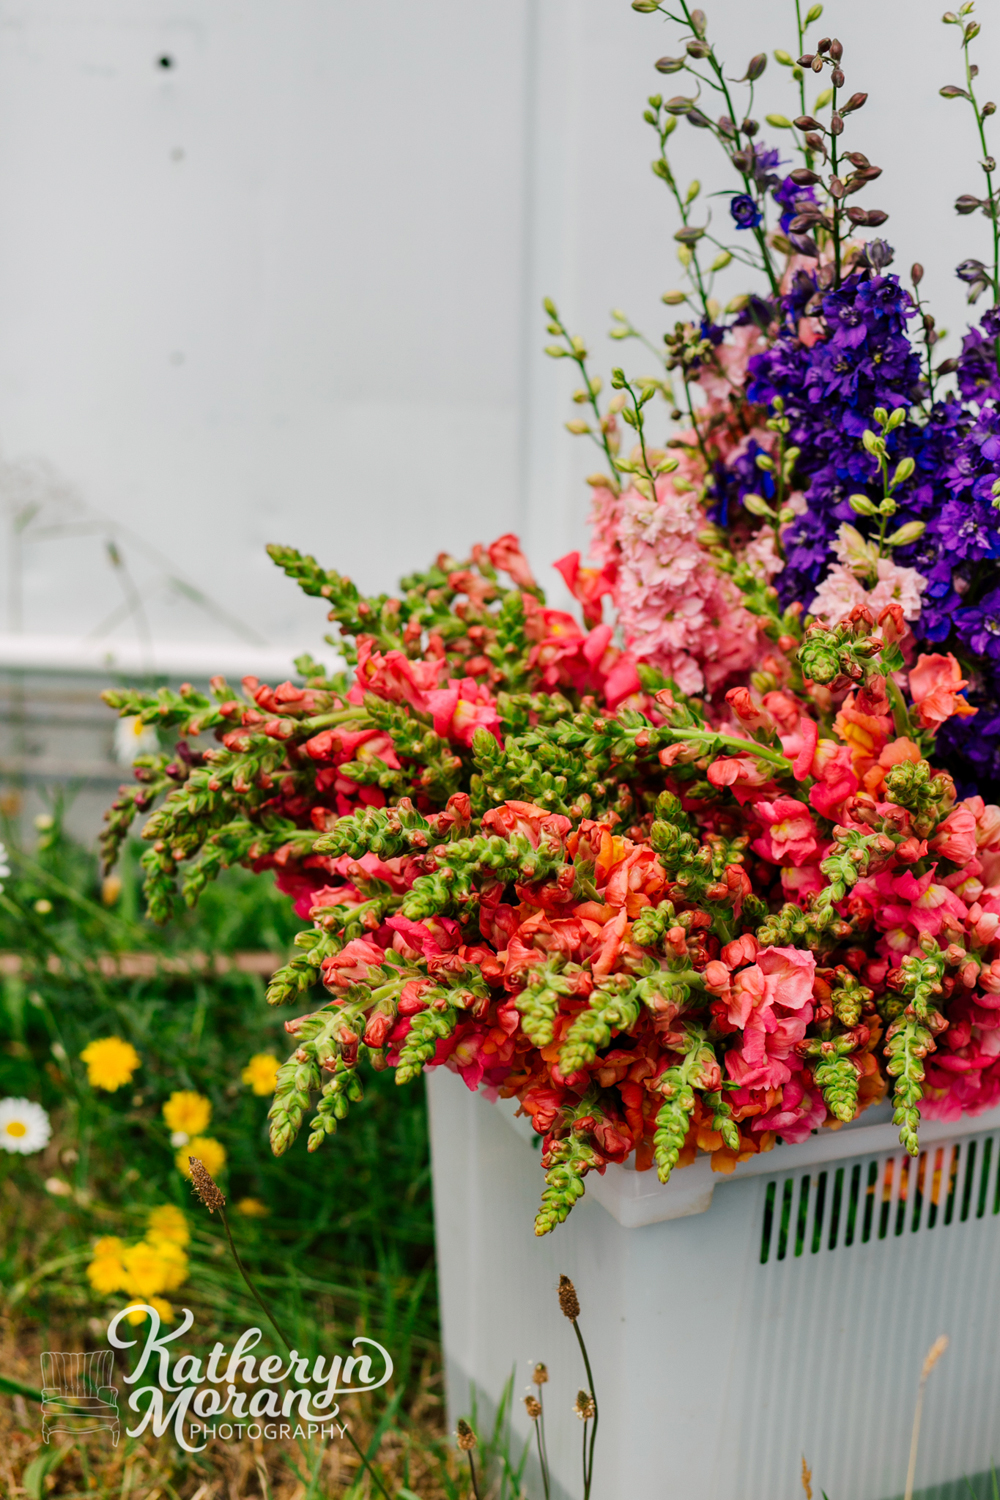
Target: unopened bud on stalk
[568,1300]
[465,1435]
[584,1405]
[533,1407]
[205,1186]
[934,1353]
[540,1374]
[916,273]
[907,535]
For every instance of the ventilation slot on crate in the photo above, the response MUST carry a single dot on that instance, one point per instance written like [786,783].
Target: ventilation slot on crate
[880,1198]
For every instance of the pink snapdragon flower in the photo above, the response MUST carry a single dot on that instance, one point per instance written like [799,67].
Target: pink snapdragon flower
[771,1002]
[789,836]
[841,591]
[676,610]
[906,907]
[461,708]
[936,684]
[800,1112]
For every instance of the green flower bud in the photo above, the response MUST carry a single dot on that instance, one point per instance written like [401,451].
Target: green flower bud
[819,657]
[911,532]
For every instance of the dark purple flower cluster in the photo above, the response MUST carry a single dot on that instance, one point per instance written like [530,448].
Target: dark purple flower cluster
[978,377]
[745,212]
[838,356]
[831,375]
[791,199]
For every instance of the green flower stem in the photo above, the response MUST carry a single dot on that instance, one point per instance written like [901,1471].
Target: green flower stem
[994,219]
[900,712]
[588,1459]
[837,201]
[580,360]
[719,84]
[271,1319]
[730,742]
[694,420]
[543,1452]
[683,208]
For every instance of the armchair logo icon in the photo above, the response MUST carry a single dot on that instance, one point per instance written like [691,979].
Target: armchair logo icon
[78,1395]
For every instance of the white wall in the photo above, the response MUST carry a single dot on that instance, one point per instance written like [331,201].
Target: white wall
[288,288]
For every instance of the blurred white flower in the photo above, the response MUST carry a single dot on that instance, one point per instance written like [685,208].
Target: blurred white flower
[179,1138]
[4,866]
[134,738]
[24,1126]
[58,1187]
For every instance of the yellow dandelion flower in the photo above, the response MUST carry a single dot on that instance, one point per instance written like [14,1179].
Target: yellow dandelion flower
[261,1072]
[211,1153]
[106,1273]
[187,1113]
[252,1208]
[160,1304]
[110,1062]
[168,1224]
[146,1271]
[174,1264]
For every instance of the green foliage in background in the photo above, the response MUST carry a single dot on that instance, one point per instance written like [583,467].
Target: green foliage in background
[347,1240]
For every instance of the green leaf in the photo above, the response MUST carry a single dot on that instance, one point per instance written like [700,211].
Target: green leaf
[11,1387]
[33,1479]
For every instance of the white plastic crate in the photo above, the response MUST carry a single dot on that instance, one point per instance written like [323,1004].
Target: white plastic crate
[743,1321]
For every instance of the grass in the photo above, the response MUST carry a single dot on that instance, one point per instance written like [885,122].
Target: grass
[347,1241]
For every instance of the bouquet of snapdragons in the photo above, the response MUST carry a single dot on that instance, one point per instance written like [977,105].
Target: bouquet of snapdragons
[709,864]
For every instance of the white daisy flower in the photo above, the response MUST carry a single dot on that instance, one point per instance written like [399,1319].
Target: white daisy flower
[24,1126]
[134,738]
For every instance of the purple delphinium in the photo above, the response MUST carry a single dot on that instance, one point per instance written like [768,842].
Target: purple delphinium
[831,374]
[861,359]
[791,199]
[979,625]
[745,212]
[978,378]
